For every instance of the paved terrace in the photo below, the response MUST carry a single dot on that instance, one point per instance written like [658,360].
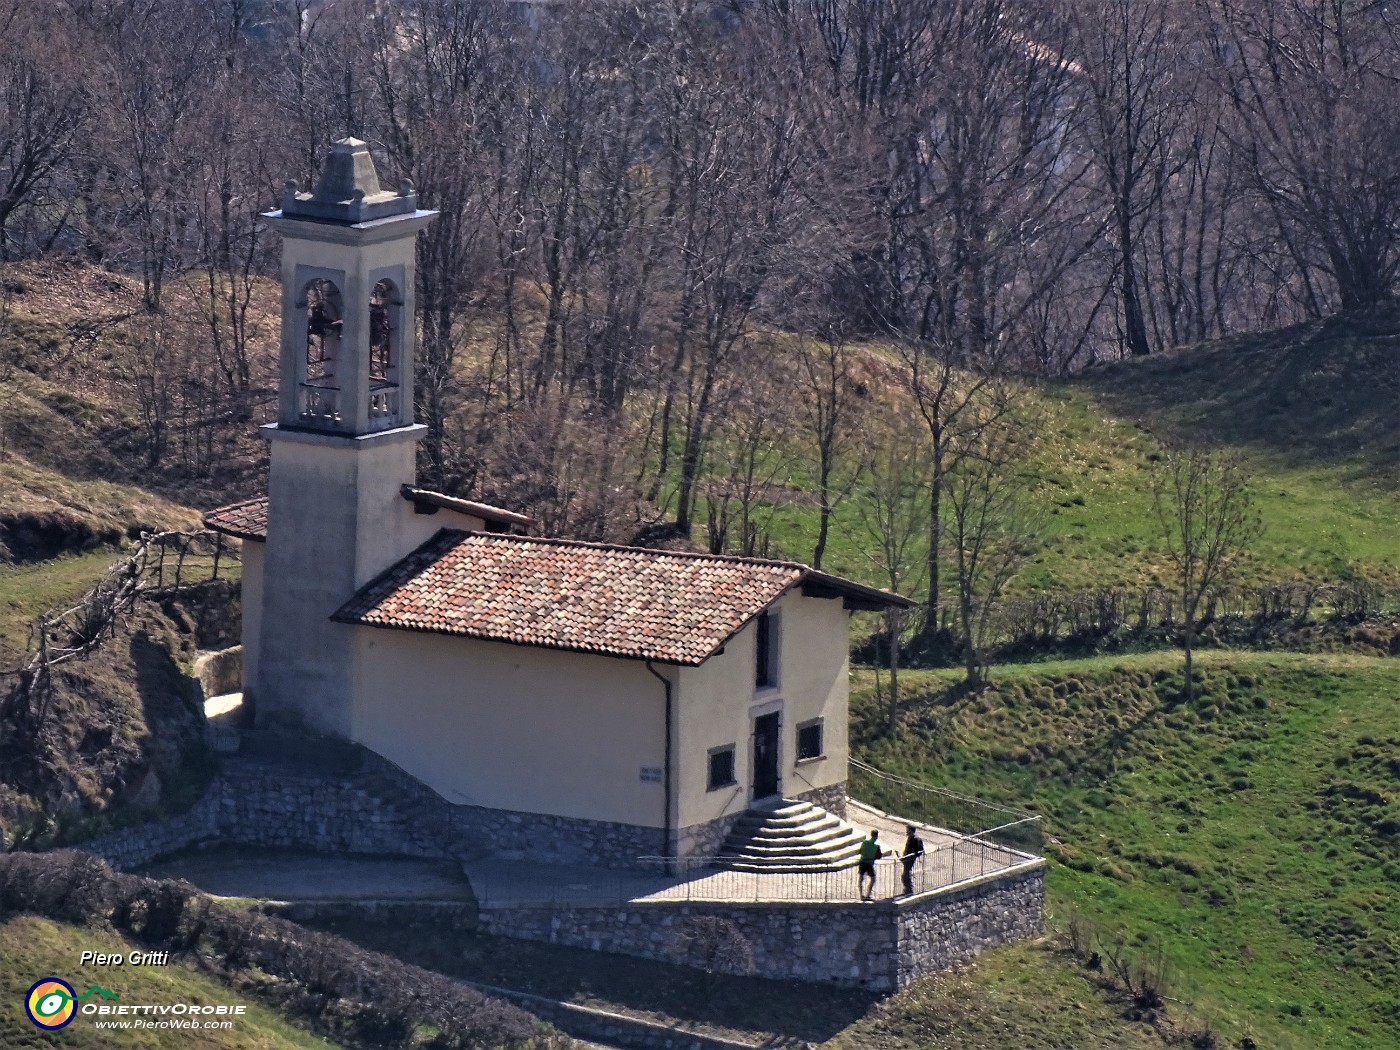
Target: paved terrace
[502,882]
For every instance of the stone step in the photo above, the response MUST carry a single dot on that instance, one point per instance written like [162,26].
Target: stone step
[786,820]
[790,868]
[816,829]
[827,837]
[780,809]
[829,848]
[790,836]
[804,856]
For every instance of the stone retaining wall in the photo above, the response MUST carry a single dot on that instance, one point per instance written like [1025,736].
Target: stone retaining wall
[381,809]
[880,947]
[948,928]
[372,813]
[328,815]
[832,798]
[441,915]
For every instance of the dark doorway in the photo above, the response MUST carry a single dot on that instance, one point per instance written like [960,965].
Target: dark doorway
[765,755]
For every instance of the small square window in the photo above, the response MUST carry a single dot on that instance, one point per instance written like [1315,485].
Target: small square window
[722,767]
[809,739]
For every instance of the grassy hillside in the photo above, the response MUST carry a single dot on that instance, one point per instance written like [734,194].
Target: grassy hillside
[1327,483]
[33,948]
[1252,838]
[1028,996]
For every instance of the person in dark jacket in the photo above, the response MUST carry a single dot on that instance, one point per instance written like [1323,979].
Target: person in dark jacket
[913,850]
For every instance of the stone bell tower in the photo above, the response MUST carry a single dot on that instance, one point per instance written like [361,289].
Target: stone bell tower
[344,441]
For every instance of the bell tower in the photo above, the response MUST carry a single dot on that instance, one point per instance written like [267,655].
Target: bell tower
[344,441]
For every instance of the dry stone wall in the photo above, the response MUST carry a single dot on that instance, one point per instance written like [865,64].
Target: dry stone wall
[370,812]
[329,815]
[880,947]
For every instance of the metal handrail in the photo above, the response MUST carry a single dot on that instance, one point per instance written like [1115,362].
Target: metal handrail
[865,767]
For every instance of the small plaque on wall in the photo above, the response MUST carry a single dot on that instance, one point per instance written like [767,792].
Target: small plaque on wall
[651,774]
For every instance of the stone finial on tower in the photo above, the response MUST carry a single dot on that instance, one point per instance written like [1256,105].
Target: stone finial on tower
[348,190]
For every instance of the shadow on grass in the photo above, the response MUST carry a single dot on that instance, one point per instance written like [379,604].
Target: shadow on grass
[742,1007]
[1316,393]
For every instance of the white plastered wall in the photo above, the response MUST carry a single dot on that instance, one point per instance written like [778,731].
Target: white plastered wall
[416,528]
[717,702]
[512,727]
[251,602]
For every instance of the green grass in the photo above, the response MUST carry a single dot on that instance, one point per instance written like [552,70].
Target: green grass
[33,948]
[1322,521]
[1310,410]
[1034,990]
[28,590]
[1325,519]
[1027,996]
[1251,836]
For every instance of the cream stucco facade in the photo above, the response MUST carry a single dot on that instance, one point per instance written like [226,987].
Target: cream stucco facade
[718,702]
[513,727]
[577,681]
[583,736]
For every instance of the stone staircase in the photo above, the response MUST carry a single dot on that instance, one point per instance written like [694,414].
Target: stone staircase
[788,836]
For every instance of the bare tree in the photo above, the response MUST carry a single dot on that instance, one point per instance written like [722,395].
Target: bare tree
[42,108]
[826,404]
[956,405]
[1316,86]
[894,514]
[144,151]
[750,459]
[1208,522]
[1126,56]
[993,528]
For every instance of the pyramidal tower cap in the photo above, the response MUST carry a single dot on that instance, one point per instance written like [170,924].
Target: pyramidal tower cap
[348,190]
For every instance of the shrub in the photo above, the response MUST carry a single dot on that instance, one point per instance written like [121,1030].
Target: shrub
[356,994]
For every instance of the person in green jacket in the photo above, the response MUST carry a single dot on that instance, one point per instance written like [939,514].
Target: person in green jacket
[870,852]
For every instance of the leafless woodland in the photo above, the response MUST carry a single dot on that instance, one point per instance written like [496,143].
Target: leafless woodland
[665,226]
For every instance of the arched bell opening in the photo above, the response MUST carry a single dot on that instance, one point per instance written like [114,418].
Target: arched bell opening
[318,387]
[385,355]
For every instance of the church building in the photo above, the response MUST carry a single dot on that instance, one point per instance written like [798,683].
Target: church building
[633,702]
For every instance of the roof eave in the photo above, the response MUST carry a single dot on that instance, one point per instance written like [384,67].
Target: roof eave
[855,596]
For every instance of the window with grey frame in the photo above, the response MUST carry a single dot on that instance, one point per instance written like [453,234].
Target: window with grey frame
[809,739]
[721,767]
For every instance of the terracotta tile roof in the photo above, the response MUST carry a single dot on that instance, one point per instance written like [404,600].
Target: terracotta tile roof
[564,594]
[246,520]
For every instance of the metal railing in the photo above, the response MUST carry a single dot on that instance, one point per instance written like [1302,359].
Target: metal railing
[947,860]
[710,880]
[973,818]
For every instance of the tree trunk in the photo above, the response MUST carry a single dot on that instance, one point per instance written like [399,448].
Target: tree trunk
[1190,683]
[824,528]
[892,627]
[1133,323]
[971,664]
[935,544]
